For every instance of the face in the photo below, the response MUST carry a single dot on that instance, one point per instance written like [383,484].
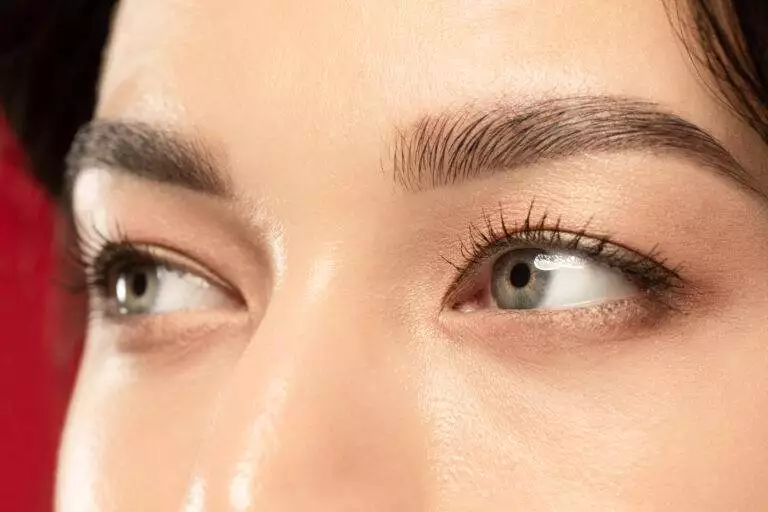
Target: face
[460,255]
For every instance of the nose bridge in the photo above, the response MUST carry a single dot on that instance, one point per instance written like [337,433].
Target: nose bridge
[319,414]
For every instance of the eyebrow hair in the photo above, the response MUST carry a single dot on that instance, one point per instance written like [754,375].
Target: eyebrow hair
[469,143]
[156,154]
[439,149]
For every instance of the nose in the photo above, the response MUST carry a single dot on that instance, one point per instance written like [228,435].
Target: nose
[320,414]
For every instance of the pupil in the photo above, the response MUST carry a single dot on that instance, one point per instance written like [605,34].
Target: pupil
[139,284]
[520,275]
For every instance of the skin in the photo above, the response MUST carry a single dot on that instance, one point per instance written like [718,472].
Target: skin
[329,377]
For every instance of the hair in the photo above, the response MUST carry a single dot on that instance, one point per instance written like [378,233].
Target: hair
[50,58]
[51,53]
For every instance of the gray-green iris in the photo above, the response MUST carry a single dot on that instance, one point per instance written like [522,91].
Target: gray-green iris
[516,283]
[136,289]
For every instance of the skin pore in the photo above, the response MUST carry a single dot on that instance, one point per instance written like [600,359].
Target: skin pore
[326,191]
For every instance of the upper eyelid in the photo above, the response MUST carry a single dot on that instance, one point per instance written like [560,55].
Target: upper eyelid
[577,240]
[499,230]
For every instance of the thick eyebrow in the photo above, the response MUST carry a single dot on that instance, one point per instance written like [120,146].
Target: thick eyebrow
[469,143]
[148,152]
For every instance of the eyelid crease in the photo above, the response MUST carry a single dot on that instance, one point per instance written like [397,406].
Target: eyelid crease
[489,241]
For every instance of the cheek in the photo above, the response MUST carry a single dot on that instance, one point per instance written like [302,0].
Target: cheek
[709,450]
[134,429]
[662,421]
[675,422]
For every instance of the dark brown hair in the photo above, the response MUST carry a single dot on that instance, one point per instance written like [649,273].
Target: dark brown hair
[51,50]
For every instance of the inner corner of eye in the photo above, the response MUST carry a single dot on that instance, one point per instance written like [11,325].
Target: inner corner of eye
[468,299]
[467,307]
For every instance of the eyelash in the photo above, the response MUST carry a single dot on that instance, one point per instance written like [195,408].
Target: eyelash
[490,239]
[96,256]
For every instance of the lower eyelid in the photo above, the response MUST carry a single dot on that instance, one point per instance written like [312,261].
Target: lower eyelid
[658,284]
[608,321]
[169,337]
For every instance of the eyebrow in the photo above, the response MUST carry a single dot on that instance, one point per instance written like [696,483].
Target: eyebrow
[470,142]
[437,150]
[148,152]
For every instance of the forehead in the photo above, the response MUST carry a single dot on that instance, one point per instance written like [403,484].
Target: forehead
[266,52]
[330,79]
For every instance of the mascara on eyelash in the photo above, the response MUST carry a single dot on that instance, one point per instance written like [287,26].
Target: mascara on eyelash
[89,252]
[490,239]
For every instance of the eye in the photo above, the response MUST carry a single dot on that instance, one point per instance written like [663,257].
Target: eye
[535,265]
[137,281]
[540,279]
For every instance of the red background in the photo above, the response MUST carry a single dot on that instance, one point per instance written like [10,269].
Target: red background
[35,372]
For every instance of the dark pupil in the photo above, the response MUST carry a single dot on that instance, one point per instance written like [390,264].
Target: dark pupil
[520,275]
[138,283]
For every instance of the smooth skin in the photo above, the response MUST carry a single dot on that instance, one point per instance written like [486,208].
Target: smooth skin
[329,376]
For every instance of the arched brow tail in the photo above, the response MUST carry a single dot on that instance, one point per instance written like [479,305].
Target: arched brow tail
[450,147]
